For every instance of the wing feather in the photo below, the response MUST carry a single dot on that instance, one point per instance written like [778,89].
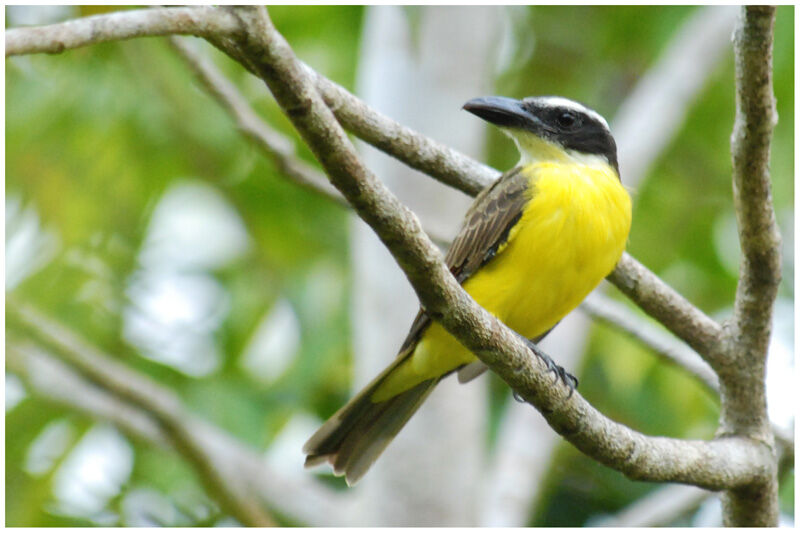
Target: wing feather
[486,226]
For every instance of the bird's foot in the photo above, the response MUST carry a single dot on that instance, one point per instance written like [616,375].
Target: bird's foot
[558,371]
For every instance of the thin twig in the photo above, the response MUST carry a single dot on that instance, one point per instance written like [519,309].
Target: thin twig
[112,394]
[659,508]
[713,464]
[53,380]
[55,38]
[672,310]
[607,310]
[278,147]
[164,407]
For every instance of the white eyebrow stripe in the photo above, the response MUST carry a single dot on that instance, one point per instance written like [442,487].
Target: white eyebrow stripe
[558,101]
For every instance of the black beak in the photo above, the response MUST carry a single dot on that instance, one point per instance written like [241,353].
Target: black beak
[501,111]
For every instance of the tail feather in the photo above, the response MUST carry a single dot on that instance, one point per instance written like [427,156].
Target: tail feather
[365,444]
[353,438]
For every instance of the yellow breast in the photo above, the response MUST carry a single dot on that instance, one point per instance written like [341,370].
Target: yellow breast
[570,236]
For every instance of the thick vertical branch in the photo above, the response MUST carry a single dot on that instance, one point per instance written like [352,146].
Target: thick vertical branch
[750,146]
[742,379]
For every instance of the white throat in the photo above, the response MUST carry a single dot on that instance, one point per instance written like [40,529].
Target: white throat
[534,149]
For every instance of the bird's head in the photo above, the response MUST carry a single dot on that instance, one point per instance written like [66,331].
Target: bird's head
[550,128]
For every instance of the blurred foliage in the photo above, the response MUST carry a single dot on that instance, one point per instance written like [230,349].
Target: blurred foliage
[95,137]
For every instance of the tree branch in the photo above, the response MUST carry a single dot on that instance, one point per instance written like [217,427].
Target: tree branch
[55,38]
[742,379]
[55,381]
[659,508]
[756,117]
[739,460]
[672,310]
[144,409]
[715,464]
[164,407]
[276,146]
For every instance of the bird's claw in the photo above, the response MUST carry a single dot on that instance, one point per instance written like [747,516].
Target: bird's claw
[558,371]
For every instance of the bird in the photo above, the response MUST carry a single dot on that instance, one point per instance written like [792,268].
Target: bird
[532,246]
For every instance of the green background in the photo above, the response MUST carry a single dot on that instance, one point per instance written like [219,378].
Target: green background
[96,136]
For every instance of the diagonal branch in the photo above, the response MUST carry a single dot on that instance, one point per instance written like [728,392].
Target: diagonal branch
[164,407]
[414,149]
[145,409]
[54,381]
[401,142]
[278,147]
[672,310]
[607,310]
[353,110]
[715,464]
[55,38]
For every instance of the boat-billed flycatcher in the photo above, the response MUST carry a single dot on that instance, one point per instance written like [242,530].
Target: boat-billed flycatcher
[532,246]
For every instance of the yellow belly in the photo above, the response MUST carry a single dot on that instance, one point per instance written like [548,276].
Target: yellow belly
[570,236]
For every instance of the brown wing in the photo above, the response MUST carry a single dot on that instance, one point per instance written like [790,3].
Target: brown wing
[353,438]
[486,225]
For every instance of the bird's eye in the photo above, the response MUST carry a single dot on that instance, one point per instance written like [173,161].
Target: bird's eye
[566,120]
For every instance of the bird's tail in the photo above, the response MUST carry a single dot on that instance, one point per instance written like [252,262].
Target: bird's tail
[353,438]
